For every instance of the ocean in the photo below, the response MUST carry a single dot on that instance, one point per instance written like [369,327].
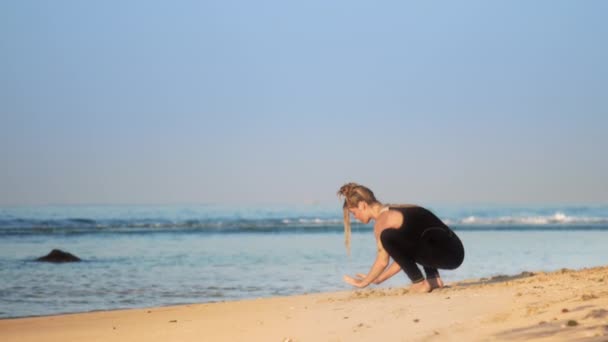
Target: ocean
[145,256]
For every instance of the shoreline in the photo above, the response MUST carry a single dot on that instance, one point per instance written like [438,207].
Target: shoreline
[557,306]
[357,292]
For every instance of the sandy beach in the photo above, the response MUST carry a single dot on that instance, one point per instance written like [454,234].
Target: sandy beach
[566,305]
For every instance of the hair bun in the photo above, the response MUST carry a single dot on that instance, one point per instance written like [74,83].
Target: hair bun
[346,189]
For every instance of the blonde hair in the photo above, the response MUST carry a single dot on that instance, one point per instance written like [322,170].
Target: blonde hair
[353,193]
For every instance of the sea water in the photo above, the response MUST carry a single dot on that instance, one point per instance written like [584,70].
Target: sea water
[144,256]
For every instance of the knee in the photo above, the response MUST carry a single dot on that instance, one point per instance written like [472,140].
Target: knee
[389,237]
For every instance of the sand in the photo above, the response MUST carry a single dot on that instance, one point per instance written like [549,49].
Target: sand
[565,305]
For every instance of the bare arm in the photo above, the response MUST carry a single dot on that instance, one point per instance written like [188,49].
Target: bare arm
[378,273]
[389,272]
[378,267]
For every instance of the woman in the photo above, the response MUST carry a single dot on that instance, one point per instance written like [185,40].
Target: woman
[408,234]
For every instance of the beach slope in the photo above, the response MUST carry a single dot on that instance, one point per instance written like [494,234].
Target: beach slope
[566,305]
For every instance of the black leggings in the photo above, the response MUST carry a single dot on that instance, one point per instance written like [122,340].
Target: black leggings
[437,247]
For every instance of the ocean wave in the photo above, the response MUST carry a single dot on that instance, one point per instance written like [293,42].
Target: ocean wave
[81,226]
[480,219]
[558,218]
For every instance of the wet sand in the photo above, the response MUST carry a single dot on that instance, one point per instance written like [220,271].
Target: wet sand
[567,305]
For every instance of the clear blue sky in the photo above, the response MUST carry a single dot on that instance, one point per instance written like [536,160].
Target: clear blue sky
[281,102]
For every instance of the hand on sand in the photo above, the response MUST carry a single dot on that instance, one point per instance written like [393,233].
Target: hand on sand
[362,276]
[354,282]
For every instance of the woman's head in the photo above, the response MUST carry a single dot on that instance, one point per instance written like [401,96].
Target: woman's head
[357,200]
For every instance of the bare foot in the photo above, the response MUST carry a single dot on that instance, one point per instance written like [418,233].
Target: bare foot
[421,287]
[436,283]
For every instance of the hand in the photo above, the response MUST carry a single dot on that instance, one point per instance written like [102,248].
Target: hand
[362,276]
[354,282]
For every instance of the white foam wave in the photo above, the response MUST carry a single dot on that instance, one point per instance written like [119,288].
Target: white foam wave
[318,221]
[556,218]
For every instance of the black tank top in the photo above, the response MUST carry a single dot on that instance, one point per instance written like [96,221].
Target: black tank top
[417,219]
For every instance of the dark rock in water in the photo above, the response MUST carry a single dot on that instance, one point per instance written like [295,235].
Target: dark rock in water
[58,255]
